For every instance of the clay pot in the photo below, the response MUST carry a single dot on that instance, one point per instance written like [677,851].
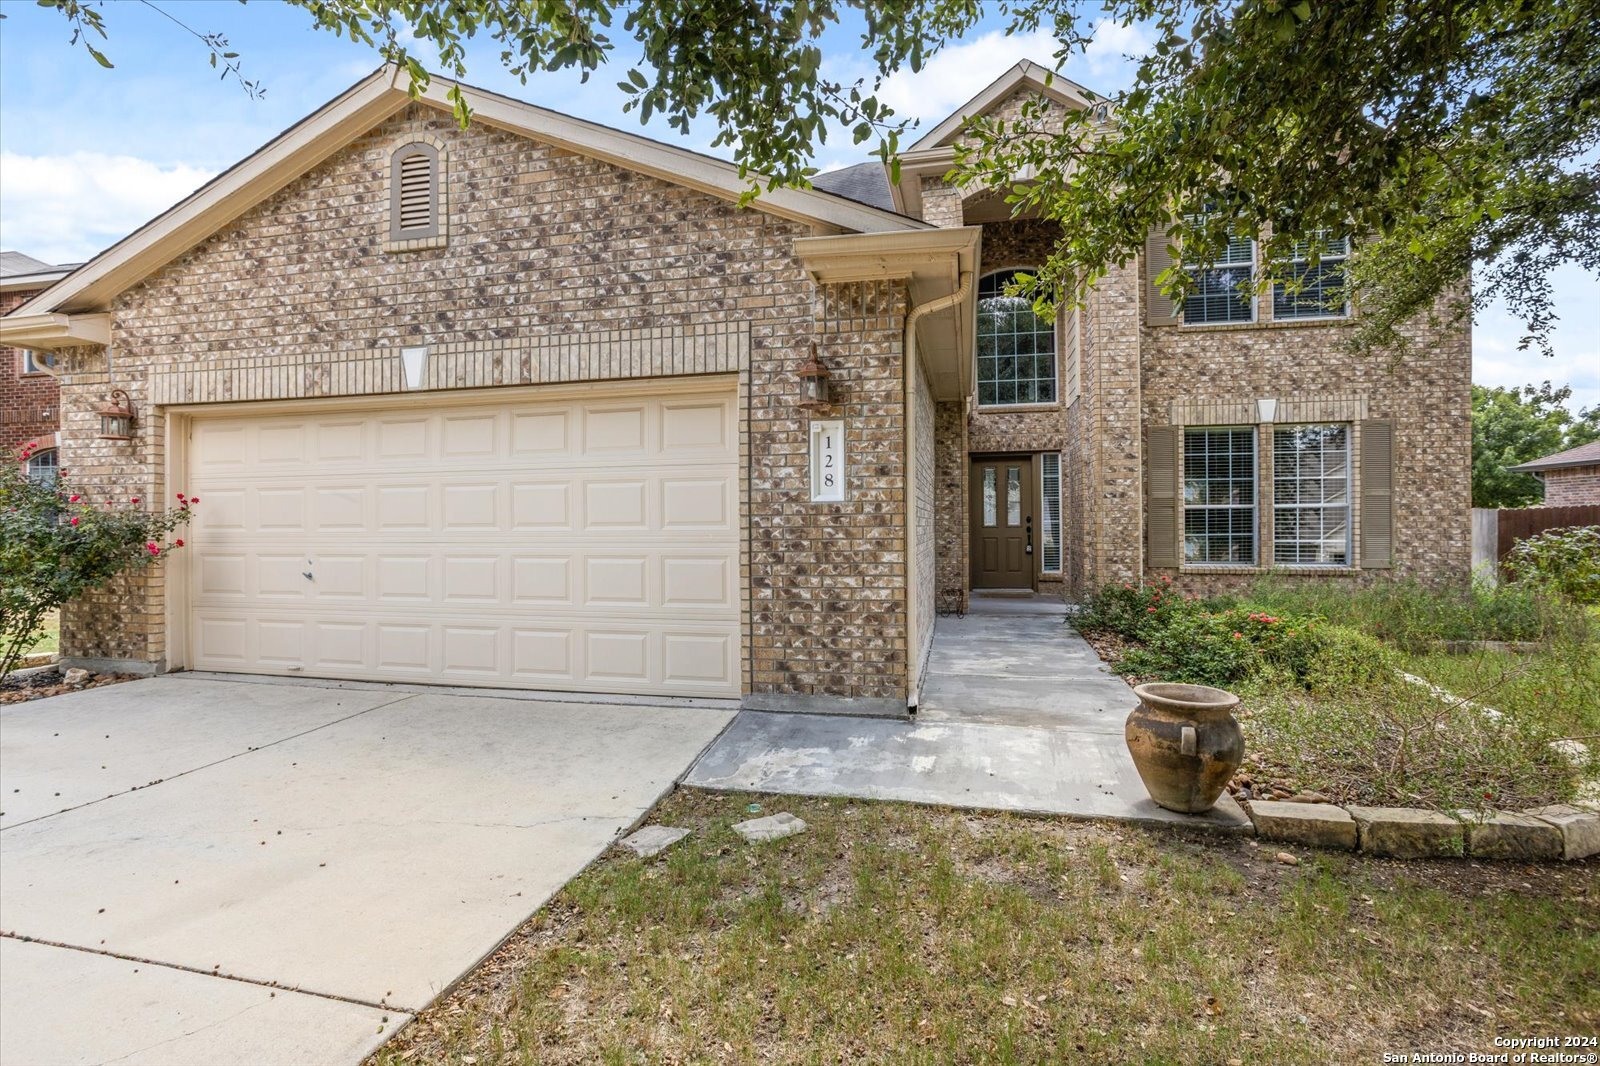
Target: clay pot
[1185,743]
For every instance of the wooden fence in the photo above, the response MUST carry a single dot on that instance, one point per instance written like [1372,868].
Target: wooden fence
[1496,532]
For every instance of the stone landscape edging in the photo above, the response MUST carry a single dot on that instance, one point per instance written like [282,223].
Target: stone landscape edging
[1556,832]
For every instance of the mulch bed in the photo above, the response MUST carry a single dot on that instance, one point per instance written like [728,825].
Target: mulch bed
[25,685]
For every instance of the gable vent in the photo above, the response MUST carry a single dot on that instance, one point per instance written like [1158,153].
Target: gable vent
[414,193]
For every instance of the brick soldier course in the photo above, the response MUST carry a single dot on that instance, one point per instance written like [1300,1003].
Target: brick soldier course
[567,253]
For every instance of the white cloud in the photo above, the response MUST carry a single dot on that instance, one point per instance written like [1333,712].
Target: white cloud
[1114,45]
[959,73]
[66,208]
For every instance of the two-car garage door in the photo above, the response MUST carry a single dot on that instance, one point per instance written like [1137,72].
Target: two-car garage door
[587,543]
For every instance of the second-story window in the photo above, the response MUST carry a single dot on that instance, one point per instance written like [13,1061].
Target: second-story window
[1016,347]
[414,193]
[1225,291]
[1318,289]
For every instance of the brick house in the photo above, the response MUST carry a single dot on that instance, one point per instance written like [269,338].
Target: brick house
[29,396]
[1570,477]
[525,405]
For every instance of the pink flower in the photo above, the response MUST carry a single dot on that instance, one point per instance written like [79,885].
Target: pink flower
[1238,636]
[1149,610]
[72,499]
[74,521]
[152,548]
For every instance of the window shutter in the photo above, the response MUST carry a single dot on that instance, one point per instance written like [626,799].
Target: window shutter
[1159,309]
[1161,495]
[1377,494]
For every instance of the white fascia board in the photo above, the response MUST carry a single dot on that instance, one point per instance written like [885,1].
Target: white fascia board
[1032,74]
[41,280]
[54,330]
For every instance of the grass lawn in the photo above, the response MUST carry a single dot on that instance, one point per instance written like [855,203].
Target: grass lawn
[894,933]
[51,640]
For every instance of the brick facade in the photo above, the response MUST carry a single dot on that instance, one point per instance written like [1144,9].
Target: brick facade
[555,262]
[1571,486]
[28,402]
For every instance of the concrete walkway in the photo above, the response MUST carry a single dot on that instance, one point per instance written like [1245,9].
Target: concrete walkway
[214,872]
[1018,714]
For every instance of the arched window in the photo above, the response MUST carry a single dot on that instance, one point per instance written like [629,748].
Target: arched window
[44,467]
[1016,348]
[414,192]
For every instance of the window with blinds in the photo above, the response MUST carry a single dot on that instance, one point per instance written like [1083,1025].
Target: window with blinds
[414,193]
[1050,512]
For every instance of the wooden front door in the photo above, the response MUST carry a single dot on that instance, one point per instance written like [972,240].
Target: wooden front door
[1002,510]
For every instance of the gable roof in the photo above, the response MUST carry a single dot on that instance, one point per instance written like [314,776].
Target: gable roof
[1582,455]
[368,103]
[17,263]
[865,183]
[19,271]
[1025,75]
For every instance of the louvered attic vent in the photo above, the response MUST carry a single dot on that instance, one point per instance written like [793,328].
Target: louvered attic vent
[414,193]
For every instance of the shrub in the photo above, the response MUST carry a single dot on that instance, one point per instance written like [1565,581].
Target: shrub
[54,547]
[1184,639]
[1563,561]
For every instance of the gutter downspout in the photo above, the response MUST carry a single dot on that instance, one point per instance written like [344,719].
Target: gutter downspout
[909,347]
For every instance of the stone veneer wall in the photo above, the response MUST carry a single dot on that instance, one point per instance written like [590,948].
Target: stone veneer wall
[1571,486]
[28,402]
[547,250]
[1425,392]
[950,505]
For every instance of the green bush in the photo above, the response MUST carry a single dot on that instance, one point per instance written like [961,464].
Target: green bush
[1181,638]
[1563,561]
[54,547]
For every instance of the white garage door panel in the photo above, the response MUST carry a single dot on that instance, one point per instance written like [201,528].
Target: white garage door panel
[570,545]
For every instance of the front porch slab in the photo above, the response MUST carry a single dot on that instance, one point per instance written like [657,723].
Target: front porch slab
[1018,714]
[981,766]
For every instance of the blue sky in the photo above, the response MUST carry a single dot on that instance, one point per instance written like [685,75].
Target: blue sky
[87,155]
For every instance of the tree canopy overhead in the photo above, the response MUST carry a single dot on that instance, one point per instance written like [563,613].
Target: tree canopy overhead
[1442,134]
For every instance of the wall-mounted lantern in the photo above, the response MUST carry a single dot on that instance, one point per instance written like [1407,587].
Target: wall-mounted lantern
[116,419]
[814,383]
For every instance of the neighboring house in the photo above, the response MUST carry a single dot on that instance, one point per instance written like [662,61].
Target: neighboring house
[523,405]
[29,397]
[1571,477]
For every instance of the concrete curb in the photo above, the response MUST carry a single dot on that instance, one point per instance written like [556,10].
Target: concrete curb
[1562,832]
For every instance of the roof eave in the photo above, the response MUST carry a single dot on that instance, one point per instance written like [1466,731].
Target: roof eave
[367,104]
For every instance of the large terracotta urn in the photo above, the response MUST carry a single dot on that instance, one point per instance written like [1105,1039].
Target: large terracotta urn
[1185,743]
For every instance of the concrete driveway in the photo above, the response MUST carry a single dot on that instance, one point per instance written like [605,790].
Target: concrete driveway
[234,871]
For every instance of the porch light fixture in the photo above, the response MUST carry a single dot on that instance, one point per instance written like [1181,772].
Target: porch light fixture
[116,419]
[814,383]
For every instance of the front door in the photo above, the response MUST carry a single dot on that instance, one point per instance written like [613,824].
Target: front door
[1002,511]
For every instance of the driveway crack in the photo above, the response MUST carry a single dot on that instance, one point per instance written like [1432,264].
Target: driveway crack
[277,986]
[213,762]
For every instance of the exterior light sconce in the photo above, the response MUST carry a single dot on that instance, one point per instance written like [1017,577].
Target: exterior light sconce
[814,383]
[116,419]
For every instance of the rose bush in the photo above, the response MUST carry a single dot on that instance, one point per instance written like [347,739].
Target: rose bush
[54,547]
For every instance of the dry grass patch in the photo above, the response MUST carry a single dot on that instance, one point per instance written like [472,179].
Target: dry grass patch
[893,933]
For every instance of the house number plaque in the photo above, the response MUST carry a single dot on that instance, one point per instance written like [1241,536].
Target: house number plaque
[827,460]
